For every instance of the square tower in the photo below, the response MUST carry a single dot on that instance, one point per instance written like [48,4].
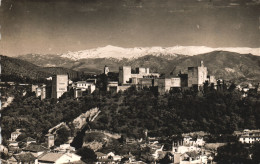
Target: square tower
[197,75]
[49,139]
[59,85]
[124,74]
[106,70]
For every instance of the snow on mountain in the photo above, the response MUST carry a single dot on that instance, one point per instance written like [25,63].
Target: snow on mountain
[130,53]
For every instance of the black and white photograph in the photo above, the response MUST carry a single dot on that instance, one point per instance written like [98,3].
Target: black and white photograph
[130,81]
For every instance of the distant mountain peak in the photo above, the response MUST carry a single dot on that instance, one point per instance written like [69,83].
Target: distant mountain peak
[111,51]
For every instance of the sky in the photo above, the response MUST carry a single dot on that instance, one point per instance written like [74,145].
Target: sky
[59,26]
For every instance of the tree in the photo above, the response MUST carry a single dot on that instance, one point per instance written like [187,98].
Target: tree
[87,155]
[256,153]
[62,136]
[21,137]
[166,159]
[233,153]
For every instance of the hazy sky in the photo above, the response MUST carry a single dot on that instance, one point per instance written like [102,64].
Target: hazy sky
[57,26]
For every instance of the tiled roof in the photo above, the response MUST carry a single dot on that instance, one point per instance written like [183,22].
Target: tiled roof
[51,157]
[99,154]
[29,139]
[76,162]
[81,82]
[25,157]
[35,148]
[250,136]
[16,132]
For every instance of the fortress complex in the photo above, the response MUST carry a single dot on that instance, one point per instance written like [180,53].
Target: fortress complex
[141,78]
[196,77]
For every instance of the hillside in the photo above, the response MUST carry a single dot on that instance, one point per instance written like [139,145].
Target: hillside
[24,69]
[223,64]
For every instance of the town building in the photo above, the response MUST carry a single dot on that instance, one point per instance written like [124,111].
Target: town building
[14,135]
[187,152]
[249,139]
[250,136]
[58,158]
[59,85]
[65,148]
[107,158]
[195,141]
[49,139]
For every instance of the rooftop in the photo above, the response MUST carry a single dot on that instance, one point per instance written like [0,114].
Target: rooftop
[29,139]
[99,154]
[35,148]
[51,157]
[25,157]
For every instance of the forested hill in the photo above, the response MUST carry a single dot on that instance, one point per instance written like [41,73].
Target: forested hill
[131,112]
[19,69]
[217,112]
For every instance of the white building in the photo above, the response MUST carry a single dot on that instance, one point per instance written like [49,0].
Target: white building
[187,140]
[250,136]
[82,86]
[65,148]
[40,90]
[15,134]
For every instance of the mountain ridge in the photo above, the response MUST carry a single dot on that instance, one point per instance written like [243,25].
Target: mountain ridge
[223,64]
[25,69]
[120,53]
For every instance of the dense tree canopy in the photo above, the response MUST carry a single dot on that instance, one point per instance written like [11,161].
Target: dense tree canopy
[217,112]
[87,155]
[133,111]
[238,153]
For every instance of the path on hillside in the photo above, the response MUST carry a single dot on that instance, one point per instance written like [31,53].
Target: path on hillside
[8,102]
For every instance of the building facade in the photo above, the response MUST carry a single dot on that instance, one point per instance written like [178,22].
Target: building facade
[124,75]
[106,70]
[59,85]
[127,77]
[49,139]
[197,76]
[40,90]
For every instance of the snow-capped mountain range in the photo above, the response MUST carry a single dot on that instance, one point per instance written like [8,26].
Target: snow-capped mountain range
[132,53]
